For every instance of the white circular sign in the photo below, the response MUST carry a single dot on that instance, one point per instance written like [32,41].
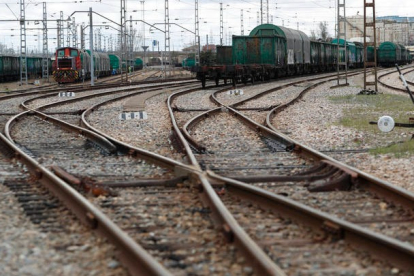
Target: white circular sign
[386,124]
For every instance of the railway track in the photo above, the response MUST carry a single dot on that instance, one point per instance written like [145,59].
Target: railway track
[287,225]
[259,157]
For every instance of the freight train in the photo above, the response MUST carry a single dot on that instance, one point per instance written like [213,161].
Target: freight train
[10,67]
[390,53]
[271,51]
[73,64]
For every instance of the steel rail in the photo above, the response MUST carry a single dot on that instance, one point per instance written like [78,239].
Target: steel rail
[260,262]
[25,103]
[194,121]
[83,87]
[261,94]
[359,178]
[393,87]
[369,182]
[132,255]
[234,233]
[178,132]
[399,253]
[180,169]
[90,135]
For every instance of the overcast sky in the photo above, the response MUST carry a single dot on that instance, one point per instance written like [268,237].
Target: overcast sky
[291,13]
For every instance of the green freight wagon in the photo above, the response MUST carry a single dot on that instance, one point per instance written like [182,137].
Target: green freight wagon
[114,61]
[34,67]
[351,50]
[292,47]
[323,56]
[188,63]
[101,64]
[224,55]
[138,64]
[389,53]
[371,54]
[9,68]
[359,54]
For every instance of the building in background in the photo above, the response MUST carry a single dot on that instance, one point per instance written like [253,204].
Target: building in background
[389,28]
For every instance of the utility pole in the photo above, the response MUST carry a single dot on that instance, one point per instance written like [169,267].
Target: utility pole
[23,56]
[370,25]
[131,42]
[221,24]
[167,34]
[261,11]
[144,47]
[69,31]
[96,41]
[341,35]
[82,36]
[197,35]
[123,41]
[60,39]
[267,11]
[91,48]
[241,22]
[74,33]
[45,63]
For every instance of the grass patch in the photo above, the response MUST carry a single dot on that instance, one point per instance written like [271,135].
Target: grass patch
[363,109]
[402,149]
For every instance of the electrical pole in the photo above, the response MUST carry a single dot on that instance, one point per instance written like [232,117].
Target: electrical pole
[261,12]
[82,35]
[74,33]
[221,24]
[267,11]
[131,42]
[60,31]
[197,35]
[68,34]
[241,22]
[167,34]
[45,63]
[23,56]
[366,44]
[143,31]
[123,41]
[91,48]
[341,35]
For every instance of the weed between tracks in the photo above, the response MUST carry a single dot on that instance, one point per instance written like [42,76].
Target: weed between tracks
[366,108]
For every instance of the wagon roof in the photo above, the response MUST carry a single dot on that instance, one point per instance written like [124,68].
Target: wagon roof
[270,29]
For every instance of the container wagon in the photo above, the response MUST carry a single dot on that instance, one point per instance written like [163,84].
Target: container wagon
[138,64]
[389,53]
[114,64]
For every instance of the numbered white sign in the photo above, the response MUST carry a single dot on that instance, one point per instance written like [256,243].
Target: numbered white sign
[235,92]
[140,115]
[66,94]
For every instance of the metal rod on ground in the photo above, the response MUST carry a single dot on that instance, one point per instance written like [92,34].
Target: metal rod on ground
[405,83]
